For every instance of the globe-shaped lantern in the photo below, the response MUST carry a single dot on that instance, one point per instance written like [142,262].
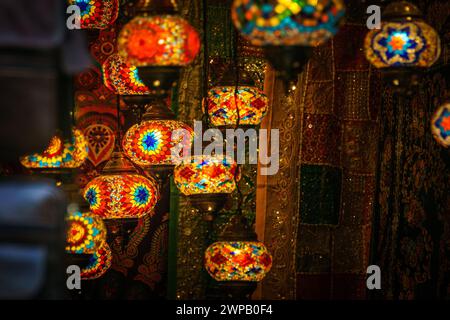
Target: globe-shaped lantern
[440,125]
[121,77]
[59,154]
[230,97]
[237,260]
[159,43]
[207,181]
[287,29]
[121,193]
[85,233]
[404,46]
[150,143]
[98,264]
[96,14]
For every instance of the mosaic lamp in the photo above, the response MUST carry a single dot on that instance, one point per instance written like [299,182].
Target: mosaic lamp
[159,43]
[85,233]
[59,155]
[151,142]
[404,46]
[120,192]
[96,14]
[440,125]
[207,181]
[98,263]
[237,261]
[227,99]
[287,29]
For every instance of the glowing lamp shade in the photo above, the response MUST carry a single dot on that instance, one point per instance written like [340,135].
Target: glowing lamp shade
[287,22]
[206,175]
[402,44]
[96,14]
[238,261]
[121,196]
[121,77]
[251,102]
[85,233]
[440,125]
[151,142]
[163,40]
[58,154]
[99,263]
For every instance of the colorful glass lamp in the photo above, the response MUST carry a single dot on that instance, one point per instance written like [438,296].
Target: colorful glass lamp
[288,29]
[85,233]
[207,181]
[440,125]
[59,155]
[98,263]
[120,192]
[237,261]
[159,43]
[96,14]
[404,46]
[229,97]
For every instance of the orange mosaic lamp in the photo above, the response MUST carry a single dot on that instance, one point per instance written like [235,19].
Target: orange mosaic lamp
[121,193]
[121,77]
[85,233]
[59,154]
[159,43]
[238,261]
[96,14]
[150,142]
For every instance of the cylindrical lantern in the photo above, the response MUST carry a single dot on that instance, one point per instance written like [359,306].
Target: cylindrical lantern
[85,233]
[96,14]
[60,155]
[224,102]
[440,125]
[238,261]
[206,175]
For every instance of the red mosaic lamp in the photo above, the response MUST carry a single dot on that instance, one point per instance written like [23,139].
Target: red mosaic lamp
[236,261]
[159,43]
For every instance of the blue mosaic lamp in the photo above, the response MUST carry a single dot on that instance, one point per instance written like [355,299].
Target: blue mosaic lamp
[288,29]
[440,125]
[404,46]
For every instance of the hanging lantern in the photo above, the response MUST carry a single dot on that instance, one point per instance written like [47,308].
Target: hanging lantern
[232,93]
[207,181]
[150,142]
[99,263]
[237,260]
[122,78]
[440,125]
[96,14]
[85,233]
[404,46]
[287,29]
[59,155]
[159,43]
[121,193]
